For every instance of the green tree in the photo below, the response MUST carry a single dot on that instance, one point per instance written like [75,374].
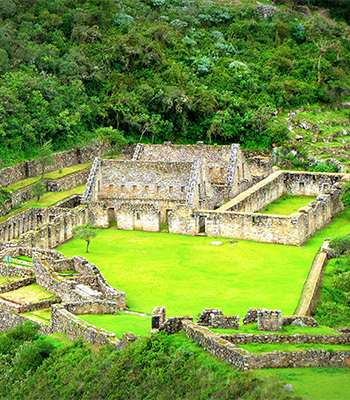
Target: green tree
[85,232]
[46,157]
[114,137]
[38,189]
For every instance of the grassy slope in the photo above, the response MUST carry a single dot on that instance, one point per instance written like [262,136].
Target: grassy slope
[186,274]
[315,383]
[287,205]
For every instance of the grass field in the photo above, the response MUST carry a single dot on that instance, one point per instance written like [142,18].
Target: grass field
[315,383]
[121,323]
[186,274]
[286,205]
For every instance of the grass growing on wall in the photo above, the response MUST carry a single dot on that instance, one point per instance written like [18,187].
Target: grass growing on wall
[259,348]
[286,205]
[186,274]
[121,323]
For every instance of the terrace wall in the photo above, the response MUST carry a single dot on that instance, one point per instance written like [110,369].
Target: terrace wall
[292,229]
[226,350]
[64,159]
[23,195]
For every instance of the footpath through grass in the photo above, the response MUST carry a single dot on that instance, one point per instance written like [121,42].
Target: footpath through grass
[186,274]
[286,205]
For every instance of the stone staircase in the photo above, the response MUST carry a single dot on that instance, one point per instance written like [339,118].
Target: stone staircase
[91,181]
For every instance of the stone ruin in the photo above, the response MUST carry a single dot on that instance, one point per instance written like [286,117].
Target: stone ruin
[208,190]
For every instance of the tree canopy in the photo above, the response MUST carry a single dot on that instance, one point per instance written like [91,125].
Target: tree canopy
[85,232]
[160,70]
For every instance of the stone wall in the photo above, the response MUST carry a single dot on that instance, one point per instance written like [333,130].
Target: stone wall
[89,286]
[312,286]
[8,320]
[75,328]
[64,159]
[15,308]
[158,317]
[8,287]
[294,229]
[144,217]
[272,338]
[220,346]
[224,321]
[215,345]
[23,195]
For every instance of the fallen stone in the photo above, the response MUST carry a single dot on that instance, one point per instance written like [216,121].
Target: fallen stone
[216,243]
[298,323]
[288,388]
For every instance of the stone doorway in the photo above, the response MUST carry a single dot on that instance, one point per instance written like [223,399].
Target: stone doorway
[138,225]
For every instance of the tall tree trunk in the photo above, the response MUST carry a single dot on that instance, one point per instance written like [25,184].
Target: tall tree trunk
[87,245]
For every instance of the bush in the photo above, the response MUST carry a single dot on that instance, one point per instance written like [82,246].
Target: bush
[340,244]
[15,337]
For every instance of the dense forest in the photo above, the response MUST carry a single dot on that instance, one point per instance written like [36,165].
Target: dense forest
[154,367]
[156,70]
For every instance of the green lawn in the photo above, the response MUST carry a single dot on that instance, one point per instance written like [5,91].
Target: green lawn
[51,175]
[121,323]
[286,205]
[186,274]
[315,383]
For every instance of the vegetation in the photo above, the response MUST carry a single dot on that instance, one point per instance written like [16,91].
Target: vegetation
[286,330]
[60,173]
[341,244]
[46,156]
[333,308]
[28,294]
[264,348]
[156,367]
[121,323]
[85,232]
[51,198]
[38,189]
[286,205]
[156,70]
[314,383]
[189,273]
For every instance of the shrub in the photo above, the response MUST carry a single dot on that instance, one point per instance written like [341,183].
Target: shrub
[341,244]
[345,198]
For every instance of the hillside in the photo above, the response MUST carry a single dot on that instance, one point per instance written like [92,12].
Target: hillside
[158,70]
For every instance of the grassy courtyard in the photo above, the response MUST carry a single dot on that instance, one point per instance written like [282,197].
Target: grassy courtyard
[286,205]
[121,323]
[186,274]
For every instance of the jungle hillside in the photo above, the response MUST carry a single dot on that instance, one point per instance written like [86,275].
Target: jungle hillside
[157,70]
